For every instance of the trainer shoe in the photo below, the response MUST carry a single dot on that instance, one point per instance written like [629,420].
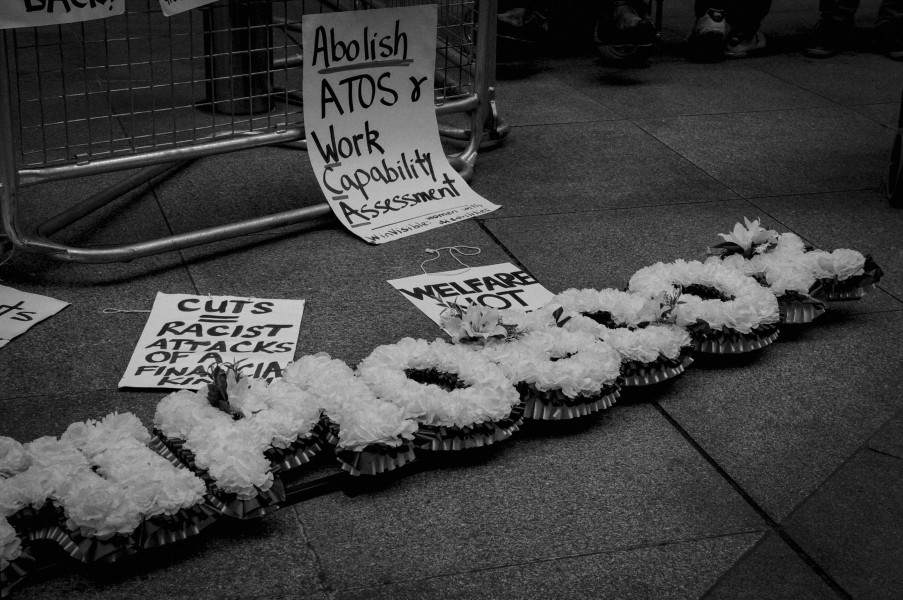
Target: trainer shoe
[828,38]
[708,35]
[741,47]
[624,26]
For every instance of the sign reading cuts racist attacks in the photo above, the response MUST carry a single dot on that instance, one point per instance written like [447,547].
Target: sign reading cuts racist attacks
[186,335]
[370,119]
[501,286]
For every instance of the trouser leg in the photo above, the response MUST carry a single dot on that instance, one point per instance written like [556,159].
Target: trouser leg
[841,11]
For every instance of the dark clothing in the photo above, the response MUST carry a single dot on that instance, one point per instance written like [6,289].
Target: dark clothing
[743,16]
[888,24]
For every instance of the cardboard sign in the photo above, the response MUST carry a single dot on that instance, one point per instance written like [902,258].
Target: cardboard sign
[20,310]
[497,286]
[186,335]
[174,7]
[370,118]
[34,13]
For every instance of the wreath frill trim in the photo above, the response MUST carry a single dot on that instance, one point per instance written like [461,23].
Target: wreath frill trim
[635,373]
[16,571]
[373,459]
[229,504]
[554,405]
[798,309]
[731,341]
[852,288]
[477,435]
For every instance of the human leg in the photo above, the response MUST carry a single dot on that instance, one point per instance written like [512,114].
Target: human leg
[833,29]
[745,19]
[709,33]
[889,27]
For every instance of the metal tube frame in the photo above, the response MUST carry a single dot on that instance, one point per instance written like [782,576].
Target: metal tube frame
[480,105]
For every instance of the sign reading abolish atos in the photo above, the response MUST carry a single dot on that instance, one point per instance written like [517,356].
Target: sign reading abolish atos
[370,118]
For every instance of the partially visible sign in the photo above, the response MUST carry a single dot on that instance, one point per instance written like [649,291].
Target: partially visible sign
[186,335]
[20,310]
[500,286]
[370,120]
[34,13]
[174,7]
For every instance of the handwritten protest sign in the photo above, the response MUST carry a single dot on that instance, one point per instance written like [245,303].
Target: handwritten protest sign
[20,310]
[174,7]
[498,286]
[34,13]
[370,118]
[185,335]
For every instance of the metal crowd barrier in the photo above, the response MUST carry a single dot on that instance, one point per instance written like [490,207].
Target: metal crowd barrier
[145,91]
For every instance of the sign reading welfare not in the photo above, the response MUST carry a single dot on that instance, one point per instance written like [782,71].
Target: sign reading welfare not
[500,286]
[186,335]
[34,13]
[20,310]
[370,120]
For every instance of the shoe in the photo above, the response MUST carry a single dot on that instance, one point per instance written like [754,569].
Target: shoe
[708,35]
[828,38]
[742,46]
[624,26]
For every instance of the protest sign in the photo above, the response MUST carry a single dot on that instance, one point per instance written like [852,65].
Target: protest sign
[500,286]
[34,13]
[20,310]
[174,7]
[370,119]
[186,335]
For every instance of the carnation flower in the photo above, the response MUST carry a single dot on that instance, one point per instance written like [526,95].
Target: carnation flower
[13,458]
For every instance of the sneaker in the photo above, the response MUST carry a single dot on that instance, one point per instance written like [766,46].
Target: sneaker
[624,26]
[708,35]
[829,38]
[741,47]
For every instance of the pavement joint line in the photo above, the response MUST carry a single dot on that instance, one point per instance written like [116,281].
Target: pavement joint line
[609,209]
[501,245]
[772,524]
[550,559]
[322,576]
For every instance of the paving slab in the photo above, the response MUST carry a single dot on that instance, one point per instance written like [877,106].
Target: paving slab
[350,308]
[889,439]
[266,558]
[621,480]
[887,114]
[780,423]
[771,570]
[541,99]
[781,152]
[81,348]
[29,417]
[679,570]
[683,88]
[582,167]
[614,244]
[867,77]
[851,526]
[863,221]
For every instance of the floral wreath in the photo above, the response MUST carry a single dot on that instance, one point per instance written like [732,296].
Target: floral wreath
[560,374]
[459,397]
[651,351]
[372,436]
[724,310]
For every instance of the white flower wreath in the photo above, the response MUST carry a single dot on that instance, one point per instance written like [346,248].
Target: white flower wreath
[629,323]
[488,395]
[363,419]
[103,476]
[749,306]
[553,358]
